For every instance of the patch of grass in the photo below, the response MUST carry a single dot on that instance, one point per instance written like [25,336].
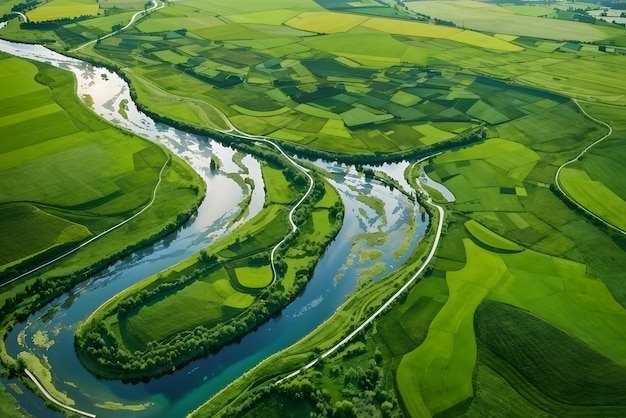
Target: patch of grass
[489,238]
[254,277]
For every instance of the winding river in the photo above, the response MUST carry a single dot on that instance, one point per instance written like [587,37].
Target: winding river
[397,226]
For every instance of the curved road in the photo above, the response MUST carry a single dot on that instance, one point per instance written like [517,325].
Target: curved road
[22,15]
[558,172]
[155,6]
[47,395]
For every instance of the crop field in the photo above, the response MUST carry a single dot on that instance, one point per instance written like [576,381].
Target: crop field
[440,369]
[200,303]
[555,372]
[592,181]
[50,140]
[63,9]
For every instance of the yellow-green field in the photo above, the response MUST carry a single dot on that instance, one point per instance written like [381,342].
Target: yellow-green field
[63,9]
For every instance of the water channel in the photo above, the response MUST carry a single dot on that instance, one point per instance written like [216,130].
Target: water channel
[400,225]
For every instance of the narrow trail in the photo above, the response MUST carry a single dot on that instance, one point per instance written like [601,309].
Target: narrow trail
[239,134]
[558,172]
[100,235]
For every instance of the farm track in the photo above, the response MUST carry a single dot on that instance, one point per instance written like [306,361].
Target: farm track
[155,6]
[100,235]
[556,177]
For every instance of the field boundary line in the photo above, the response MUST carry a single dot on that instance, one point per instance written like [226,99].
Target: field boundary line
[52,399]
[558,172]
[391,299]
[100,235]
[155,6]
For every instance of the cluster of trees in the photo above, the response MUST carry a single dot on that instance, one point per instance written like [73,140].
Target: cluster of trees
[24,7]
[362,391]
[53,24]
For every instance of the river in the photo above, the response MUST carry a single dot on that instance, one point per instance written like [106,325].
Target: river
[334,278]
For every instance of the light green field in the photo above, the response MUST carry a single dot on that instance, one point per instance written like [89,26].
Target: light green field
[254,277]
[594,196]
[438,374]
[493,19]
[531,10]
[62,9]
[196,304]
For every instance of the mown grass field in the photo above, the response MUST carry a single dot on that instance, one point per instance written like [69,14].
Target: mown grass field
[66,175]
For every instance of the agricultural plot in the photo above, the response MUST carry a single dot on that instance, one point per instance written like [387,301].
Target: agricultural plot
[486,177]
[265,72]
[594,181]
[555,372]
[79,175]
[63,9]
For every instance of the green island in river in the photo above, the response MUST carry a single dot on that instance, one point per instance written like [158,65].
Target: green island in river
[512,304]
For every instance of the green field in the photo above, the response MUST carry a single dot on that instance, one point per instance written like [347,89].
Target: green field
[112,175]
[63,9]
